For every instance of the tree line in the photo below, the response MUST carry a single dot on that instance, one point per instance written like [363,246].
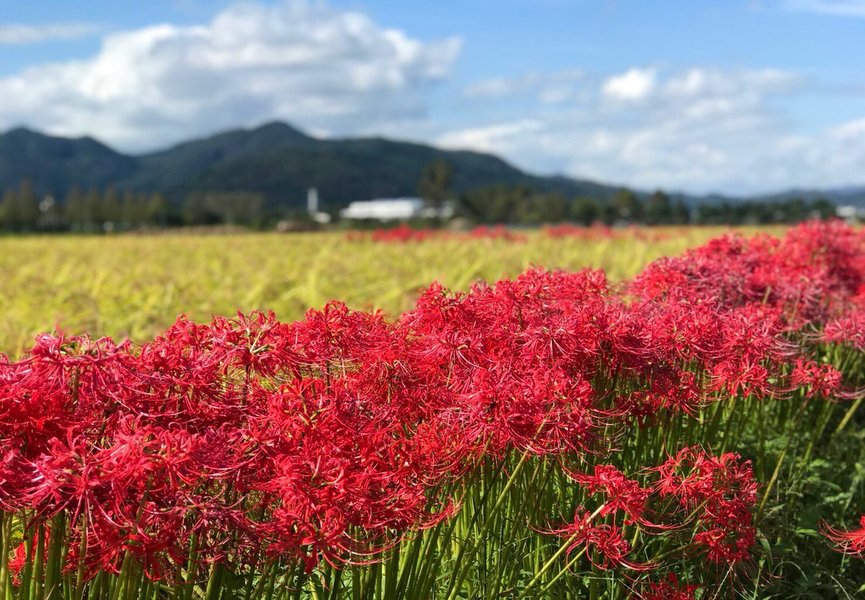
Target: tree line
[23,210]
[521,205]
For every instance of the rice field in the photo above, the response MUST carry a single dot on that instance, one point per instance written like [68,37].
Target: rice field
[136,285]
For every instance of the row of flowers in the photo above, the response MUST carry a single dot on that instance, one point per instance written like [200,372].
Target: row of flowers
[405,233]
[328,441]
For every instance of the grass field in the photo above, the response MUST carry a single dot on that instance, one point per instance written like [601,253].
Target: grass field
[136,285]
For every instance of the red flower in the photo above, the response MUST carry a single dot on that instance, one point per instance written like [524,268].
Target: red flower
[848,542]
[720,494]
[669,589]
[604,544]
[619,493]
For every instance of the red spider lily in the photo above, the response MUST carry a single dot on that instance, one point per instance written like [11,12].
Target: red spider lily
[669,589]
[818,380]
[402,233]
[848,541]
[848,328]
[619,493]
[17,562]
[720,494]
[595,231]
[604,544]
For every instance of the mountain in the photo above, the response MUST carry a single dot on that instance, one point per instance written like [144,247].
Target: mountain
[282,162]
[852,195]
[275,159]
[56,164]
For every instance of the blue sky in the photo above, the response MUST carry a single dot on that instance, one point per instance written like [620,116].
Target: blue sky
[734,96]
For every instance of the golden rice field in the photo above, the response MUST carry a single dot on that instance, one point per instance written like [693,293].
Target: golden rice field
[135,285]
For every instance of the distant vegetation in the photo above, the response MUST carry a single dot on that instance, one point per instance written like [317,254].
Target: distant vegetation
[22,210]
[259,177]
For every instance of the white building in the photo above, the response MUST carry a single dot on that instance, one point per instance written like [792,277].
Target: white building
[851,213]
[384,209]
[312,207]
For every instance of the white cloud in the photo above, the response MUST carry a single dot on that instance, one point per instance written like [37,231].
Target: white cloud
[632,85]
[300,61]
[703,82]
[491,138]
[550,88]
[851,131]
[839,8]
[33,34]
[698,130]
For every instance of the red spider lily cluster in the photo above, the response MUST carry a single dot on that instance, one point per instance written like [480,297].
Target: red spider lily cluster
[669,589]
[720,494]
[328,439]
[496,232]
[403,233]
[714,500]
[598,231]
[568,230]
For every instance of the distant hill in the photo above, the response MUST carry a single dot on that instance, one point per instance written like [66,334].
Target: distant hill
[852,195]
[282,162]
[275,160]
[55,164]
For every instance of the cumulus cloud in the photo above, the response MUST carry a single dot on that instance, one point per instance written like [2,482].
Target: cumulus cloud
[33,34]
[301,61]
[699,130]
[632,85]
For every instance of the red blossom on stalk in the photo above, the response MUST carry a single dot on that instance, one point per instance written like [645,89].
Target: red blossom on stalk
[848,541]
[669,589]
[604,544]
[817,380]
[720,495]
[619,493]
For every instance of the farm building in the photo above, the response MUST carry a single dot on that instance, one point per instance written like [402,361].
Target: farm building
[393,209]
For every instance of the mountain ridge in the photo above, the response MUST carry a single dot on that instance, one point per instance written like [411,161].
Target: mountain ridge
[281,162]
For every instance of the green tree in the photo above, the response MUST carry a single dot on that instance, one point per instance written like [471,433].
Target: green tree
[658,209]
[195,211]
[585,211]
[90,209]
[6,208]
[680,214]
[540,208]
[157,210]
[21,208]
[627,206]
[435,183]
[131,209]
[73,209]
[109,210]
[823,209]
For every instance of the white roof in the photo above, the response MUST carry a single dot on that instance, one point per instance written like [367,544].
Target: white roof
[383,209]
[848,211]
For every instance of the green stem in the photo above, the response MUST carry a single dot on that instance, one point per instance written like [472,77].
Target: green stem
[460,572]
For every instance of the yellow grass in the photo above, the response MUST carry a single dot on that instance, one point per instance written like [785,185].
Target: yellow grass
[137,285]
